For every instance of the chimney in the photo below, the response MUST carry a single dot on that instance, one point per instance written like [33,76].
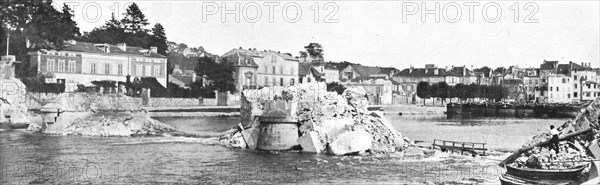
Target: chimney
[122,46]
[464,70]
[410,70]
[194,77]
[153,49]
[436,71]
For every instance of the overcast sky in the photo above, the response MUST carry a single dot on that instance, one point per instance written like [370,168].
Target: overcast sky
[374,33]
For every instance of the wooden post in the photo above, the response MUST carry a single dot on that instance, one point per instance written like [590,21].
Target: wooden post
[453,146]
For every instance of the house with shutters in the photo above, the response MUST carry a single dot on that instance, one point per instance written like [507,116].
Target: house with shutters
[407,79]
[253,68]
[84,62]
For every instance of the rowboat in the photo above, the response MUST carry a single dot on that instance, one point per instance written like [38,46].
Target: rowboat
[545,174]
[586,124]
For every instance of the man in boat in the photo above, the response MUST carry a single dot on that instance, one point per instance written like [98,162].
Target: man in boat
[554,141]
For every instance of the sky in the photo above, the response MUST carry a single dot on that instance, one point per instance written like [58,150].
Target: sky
[379,33]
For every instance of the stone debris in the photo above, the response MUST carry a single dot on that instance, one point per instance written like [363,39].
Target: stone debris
[338,124]
[115,124]
[351,142]
[572,152]
[250,137]
[547,158]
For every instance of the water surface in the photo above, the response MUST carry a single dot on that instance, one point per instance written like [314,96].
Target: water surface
[28,158]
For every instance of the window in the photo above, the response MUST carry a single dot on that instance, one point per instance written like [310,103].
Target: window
[161,71]
[266,69]
[148,71]
[120,69]
[107,68]
[139,70]
[587,94]
[308,79]
[71,66]
[274,81]
[281,81]
[575,95]
[564,80]
[575,77]
[281,70]
[266,81]
[575,86]
[93,68]
[273,70]
[61,65]
[550,88]
[157,71]
[557,89]
[568,95]
[50,64]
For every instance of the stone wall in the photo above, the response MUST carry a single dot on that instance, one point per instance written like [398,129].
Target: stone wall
[175,102]
[79,101]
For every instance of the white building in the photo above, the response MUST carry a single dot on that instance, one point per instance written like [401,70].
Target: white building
[82,63]
[560,89]
[585,86]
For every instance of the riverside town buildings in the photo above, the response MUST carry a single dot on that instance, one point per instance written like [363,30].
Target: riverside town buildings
[261,68]
[82,63]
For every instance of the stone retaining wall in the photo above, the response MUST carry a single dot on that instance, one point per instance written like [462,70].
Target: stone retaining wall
[175,102]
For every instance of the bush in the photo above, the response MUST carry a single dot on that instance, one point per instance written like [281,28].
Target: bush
[334,86]
[40,86]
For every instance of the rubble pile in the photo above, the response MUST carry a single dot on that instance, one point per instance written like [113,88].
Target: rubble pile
[547,158]
[328,122]
[116,124]
[572,149]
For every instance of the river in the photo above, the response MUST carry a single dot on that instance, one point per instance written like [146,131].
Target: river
[27,158]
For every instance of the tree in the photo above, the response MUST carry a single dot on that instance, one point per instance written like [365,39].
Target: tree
[303,54]
[423,90]
[444,91]
[112,32]
[500,70]
[461,91]
[221,74]
[472,91]
[434,92]
[134,20]
[336,87]
[159,39]
[34,24]
[314,50]
[485,70]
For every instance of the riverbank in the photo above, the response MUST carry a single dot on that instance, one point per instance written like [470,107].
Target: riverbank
[194,111]
[405,109]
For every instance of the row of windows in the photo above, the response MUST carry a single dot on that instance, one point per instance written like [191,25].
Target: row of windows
[276,70]
[280,82]
[60,65]
[560,80]
[589,86]
[149,70]
[107,69]
[575,95]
